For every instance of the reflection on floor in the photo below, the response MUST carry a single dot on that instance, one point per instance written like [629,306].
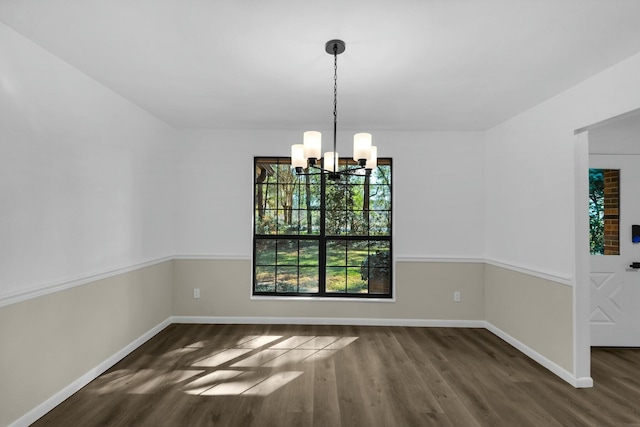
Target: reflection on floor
[244,367]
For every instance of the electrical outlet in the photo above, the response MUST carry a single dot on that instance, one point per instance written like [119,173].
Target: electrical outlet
[196,293]
[456,296]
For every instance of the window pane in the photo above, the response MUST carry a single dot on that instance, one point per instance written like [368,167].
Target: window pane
[265,278]
[357,252]
[314,197]
[285,175]
[358,193]
[381,174]
[355,283]
[260,226]
[287,252]
[336,197]
[301,217]
[267,224]
[380,197]
[335,223]
[309,279]
[287,279]
[379,281]
[379,246]
[357,223]
[265,252]
[336,279]
[302,222]
[309,252]
[380,223]
[295,224]
[315,222]
[604,214]
[336,253]
[377,269]
[280,222]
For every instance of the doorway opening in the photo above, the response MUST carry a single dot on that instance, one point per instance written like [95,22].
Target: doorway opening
[612,161]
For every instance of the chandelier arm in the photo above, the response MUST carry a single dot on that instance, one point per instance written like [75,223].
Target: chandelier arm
[355,170]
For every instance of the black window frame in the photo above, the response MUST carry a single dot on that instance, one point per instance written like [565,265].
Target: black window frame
[323,239]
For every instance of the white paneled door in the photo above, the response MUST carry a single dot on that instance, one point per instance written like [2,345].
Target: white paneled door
[615,299]
[615,286]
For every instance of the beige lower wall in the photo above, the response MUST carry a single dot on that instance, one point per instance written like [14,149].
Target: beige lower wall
[535,311]
[48,342]
[424,290]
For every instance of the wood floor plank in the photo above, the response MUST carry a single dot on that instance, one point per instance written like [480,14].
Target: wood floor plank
[326,407]
[418,351]
[315,375]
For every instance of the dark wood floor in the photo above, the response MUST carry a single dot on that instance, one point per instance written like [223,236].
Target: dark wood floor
[287,375]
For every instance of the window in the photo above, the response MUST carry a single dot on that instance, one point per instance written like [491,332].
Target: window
[318,237]
[604,214]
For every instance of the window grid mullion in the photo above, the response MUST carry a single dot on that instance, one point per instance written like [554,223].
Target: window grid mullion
[322,262]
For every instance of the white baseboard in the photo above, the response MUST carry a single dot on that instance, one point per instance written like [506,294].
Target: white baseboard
[40,410]
[427,323]
[577,382]
[583,382]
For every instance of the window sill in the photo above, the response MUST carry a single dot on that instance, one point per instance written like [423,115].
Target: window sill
[324,299]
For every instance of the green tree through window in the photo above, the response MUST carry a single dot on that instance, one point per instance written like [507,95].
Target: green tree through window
[596,211]
[314,236]
[604,214]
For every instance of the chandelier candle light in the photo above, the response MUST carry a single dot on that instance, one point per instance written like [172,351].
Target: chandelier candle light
[306,155]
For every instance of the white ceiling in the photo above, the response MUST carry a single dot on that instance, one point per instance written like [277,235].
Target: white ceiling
[261,64]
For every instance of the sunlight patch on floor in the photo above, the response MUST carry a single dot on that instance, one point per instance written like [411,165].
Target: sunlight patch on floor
[244,368]
[250,384]
[317,343]
[340,343]
[203,384]
[239,385]
[222,357]
[144,381]
[258,353]
[258,359]
[290,357]
[292,342]
[259,341]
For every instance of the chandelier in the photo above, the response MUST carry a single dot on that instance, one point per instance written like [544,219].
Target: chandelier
[308,154]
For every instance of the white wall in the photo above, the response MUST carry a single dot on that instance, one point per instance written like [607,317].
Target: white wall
[85,176]
[86,185]
[530,175]
[437,190]
[534,169]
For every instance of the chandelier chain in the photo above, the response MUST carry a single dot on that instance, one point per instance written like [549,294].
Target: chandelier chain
[335,103]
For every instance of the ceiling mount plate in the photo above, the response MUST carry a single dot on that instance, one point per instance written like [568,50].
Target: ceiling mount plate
[339,44]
